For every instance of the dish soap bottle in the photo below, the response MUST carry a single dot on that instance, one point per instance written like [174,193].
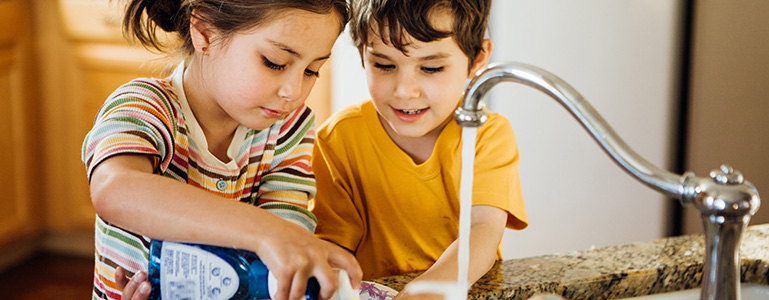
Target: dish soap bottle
[181,271]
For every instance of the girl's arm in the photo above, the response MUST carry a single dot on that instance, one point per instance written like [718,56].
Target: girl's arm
[486,229]
[125,192]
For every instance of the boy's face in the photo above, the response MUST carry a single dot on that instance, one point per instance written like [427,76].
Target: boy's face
[416,94]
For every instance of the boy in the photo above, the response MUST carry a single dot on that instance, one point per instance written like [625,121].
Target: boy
[387,169]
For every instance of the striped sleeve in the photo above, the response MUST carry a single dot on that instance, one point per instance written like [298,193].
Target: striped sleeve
[115,247]
[137,119]
[286,188]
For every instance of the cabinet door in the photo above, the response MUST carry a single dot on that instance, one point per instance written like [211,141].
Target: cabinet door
[86,59]
[19,169]
[99,70]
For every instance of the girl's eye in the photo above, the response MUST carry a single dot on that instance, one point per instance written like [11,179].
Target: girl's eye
[384,67]
[429,70]
[272,65]
[311,73]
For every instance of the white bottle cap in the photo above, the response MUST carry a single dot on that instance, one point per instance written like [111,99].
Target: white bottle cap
[272,284]
[344,292]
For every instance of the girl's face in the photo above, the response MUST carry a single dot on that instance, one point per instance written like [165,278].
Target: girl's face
[258,76]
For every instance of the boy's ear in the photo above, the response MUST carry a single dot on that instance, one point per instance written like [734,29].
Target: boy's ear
[201,32]
[482,58]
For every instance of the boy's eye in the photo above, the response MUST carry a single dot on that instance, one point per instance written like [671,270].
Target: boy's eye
[430,70]
[384,67]
[272,65]
[311,73]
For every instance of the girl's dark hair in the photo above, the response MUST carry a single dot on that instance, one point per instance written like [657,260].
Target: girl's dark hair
[143,17]
[391,18]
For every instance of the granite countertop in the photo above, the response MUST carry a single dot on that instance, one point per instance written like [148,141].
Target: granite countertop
[615,272]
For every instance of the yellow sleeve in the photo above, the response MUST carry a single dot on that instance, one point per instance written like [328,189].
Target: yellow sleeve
[496,179]
[338,219]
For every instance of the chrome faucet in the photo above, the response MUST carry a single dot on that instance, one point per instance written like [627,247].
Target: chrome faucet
[725,200]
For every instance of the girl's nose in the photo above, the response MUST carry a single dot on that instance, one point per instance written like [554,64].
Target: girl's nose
[291,87]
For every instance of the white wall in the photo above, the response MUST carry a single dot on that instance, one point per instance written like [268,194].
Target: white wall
[621,56]
[348,82]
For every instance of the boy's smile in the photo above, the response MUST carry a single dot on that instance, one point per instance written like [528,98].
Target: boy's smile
[415,92]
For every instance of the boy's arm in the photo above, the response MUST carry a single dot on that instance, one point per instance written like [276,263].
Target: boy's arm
[486,229]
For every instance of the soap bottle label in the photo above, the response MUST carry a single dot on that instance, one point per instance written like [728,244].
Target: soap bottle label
[188,272]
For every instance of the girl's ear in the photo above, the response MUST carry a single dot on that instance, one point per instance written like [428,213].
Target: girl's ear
[201,32]
[482,58]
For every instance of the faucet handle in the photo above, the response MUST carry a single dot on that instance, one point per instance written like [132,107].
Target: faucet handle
[726,175]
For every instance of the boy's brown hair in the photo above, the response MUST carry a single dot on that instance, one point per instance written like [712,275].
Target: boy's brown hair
[389,19]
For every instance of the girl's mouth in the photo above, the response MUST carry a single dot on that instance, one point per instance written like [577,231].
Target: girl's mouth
[271,113]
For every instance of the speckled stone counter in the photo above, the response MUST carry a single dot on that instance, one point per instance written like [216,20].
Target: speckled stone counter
[615,272]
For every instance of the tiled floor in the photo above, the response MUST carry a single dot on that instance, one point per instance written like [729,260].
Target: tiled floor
[48,276]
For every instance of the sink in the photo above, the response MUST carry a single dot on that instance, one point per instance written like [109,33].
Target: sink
[749,291]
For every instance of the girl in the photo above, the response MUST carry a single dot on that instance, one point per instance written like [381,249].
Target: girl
[217,153]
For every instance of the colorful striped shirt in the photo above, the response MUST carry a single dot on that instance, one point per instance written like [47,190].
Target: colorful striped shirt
[269,168]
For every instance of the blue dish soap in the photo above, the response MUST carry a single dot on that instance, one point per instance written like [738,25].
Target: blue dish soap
[181,271]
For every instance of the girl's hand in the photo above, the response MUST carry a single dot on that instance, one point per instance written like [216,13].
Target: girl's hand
[294,255]
[135,288]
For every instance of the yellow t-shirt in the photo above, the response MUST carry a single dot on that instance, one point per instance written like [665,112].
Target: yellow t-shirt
[396,216]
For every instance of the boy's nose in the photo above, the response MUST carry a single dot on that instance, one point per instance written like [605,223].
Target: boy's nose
[406,87]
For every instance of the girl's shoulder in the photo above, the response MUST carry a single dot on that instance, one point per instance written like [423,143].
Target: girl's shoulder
[157,92]
[157,87]
[145,96]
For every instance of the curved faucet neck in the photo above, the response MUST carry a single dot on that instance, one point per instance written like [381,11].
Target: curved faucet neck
[725,200]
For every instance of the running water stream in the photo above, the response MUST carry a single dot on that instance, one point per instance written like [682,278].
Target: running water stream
[465,205]
[458,290]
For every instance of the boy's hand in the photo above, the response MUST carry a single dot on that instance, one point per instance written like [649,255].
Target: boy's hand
[135,288]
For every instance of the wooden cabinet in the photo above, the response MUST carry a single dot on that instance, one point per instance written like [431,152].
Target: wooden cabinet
[20,167]
[84,58]
[91,60]
[59,61]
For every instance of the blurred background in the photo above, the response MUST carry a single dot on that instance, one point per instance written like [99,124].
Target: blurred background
[683,82]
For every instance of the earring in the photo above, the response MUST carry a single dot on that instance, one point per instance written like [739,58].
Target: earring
[204,49]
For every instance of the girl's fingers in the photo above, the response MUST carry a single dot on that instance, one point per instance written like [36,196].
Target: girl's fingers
[328,281]
[131,288]
[143,292]
[120,278]
[138,288]
[345,260]
[284,284]
[341,258]
[298,285]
